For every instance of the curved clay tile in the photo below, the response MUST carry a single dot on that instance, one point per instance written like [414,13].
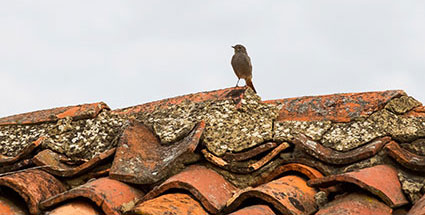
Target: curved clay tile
[381,180]
[206,185]
[26,151]
[112,196]
[15,166]
[337,107]
[173,203]
[84,111]
[355,204]
[418,208]
[288,194]
[254,210]
[53,165]
[141,159]
[77,207]
[241,156]
[33,186]
[12,207]
[405,158]
[244,167]
[331,156]
[234,93]
[305,170]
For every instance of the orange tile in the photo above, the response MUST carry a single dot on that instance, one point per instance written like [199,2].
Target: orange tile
[254,210]
[142,159]
[84,111]
[8,207]
[405,158]
[418,208]
[33,186]
[309,172]
[231,157]
[112,196]
[337,107]
[331,156]
[381,180]
[15,166]
[77,207]
[355,204]
[26,151]
[288,194]
[174,203]
[54,165]
[206,185]
[244,167]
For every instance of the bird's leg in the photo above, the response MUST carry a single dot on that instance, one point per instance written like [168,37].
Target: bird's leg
[237,82]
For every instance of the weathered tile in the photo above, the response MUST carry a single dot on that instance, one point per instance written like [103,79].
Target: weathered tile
[254,210]
[331,156]
[305,170]
[53,165]
[206,185]
[405,158]
[380,180]
[336,108]
[22,154]
[11,207]
[77,112]
[244,167]
[33,186]
[355,204]
[288,194]
[112,196]
[15,166]
[418,208]
[174,203]
[76,207]
[241,156]
[142,159]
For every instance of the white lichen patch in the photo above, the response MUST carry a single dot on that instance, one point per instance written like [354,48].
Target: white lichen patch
[411,186]
[402,105]
[288,130]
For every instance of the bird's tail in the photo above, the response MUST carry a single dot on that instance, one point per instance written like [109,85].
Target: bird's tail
[249,84]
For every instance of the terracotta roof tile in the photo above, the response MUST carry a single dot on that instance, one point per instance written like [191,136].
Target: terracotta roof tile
[141,159]
[112,196]
[302,169]
[241,156]
[174,203]
[53,165]
[405,158]
[11,207]
[337,107]
[206,185]
[33,186]
[77,112]
[254,210]
[15,166]
[418,208]
[335,157]
[24,153]
[244,167]
[355,204]
[288,194]
[388,187]
[76,207]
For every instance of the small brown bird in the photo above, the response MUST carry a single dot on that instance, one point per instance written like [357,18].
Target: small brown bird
[241,64]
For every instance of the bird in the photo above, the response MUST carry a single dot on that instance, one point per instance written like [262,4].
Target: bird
[242,66]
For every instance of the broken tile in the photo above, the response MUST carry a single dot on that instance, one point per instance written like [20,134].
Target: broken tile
[336,108]
[288,194]
[142,159]
[33,186]
[22,154]
[112,196]
[331,156]
[206,185]
[254,210]
[244,167]
[405,158]
[174,203]
[241,156]
[77,112]
[309,172]
[53,165]
[76,207]
[388,186]
[355,204]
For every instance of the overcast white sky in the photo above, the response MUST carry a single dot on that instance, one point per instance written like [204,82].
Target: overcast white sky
[59,53]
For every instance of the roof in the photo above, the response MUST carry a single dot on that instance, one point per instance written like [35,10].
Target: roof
[219,152]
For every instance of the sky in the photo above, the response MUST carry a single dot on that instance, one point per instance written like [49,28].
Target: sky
[60,53]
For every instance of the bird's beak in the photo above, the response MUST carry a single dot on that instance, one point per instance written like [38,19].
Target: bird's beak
[233,46]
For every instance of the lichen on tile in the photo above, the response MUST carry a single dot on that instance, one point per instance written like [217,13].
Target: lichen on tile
[402,105]
[412,186]
[288,130]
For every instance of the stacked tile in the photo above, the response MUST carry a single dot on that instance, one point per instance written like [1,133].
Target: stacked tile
[218,152]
